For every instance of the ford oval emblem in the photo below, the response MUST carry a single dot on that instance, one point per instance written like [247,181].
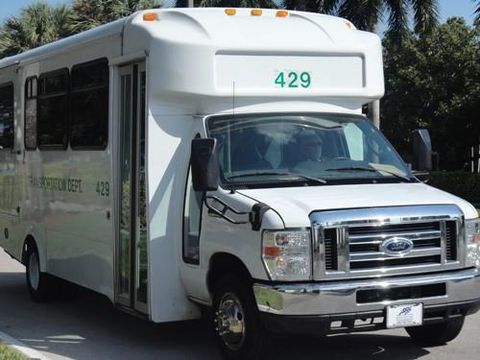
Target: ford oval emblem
[396,246]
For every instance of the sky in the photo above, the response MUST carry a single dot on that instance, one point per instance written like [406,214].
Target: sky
[448,8]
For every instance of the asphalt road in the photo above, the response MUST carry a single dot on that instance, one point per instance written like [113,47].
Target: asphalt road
[82,325]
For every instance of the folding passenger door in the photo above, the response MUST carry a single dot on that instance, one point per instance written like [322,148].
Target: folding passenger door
[132,244]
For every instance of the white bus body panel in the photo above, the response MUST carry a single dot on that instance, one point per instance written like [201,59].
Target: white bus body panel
[199,62]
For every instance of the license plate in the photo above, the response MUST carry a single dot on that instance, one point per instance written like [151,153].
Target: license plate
[404,315]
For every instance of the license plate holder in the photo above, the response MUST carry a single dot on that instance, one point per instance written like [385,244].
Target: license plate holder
[404,315]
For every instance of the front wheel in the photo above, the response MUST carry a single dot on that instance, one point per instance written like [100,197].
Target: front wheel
[238,330]
[40,285]
[436,334]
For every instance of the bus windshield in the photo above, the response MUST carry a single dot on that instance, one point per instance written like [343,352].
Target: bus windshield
[316,149]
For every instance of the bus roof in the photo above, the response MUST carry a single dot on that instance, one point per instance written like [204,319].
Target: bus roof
[211,52]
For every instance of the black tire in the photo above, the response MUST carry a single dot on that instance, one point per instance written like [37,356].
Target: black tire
[247,341]
[436,334]
[40,285]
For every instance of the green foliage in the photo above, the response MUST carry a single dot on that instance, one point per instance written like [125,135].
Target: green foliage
[37,24]
[321,6]
[460,183]
[91,13]
[477,12]
[40,23]
[7,353]
[366,14]
[432,81]
[238,3]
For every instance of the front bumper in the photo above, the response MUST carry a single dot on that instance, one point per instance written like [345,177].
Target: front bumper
[456,292]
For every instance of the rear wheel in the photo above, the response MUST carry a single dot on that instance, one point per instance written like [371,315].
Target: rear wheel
[238,330]
[40,285]
[436,334]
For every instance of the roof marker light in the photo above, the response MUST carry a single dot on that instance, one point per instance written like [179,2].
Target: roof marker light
[348,24]
[230,12]
[282,13]
[149,16]
[256,12]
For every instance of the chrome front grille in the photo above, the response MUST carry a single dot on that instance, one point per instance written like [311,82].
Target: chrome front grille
[350,243]
[426,238]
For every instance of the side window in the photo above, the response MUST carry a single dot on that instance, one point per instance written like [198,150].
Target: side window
[6,116]
[89,105]
[31,113]
[53,110]
[192,216]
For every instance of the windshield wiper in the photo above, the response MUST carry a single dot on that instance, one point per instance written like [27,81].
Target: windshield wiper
[273,173]
[359,168]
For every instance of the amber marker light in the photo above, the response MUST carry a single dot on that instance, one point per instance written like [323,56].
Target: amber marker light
[256,12]
[149,16]
[282,13]
[230,12]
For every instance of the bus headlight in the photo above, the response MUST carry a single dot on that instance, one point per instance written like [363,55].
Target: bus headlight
[287,254]
[473,242]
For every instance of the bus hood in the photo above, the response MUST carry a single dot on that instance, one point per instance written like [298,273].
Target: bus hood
[295,204]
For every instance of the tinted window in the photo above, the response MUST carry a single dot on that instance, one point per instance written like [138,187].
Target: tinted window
[89,104]
[53,110]
[6,116]
[31,113]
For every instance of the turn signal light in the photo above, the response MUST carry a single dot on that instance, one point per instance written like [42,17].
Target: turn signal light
[149,17]
[272,251]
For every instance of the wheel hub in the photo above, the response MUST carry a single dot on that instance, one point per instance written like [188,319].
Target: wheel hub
[230,321]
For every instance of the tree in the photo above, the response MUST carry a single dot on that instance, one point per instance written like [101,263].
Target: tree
[91,13]
[477,12]
[37,24]
[229,3]
[320,6]
[432,82]
[366,14]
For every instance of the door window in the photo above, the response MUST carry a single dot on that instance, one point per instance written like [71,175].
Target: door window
[192,222]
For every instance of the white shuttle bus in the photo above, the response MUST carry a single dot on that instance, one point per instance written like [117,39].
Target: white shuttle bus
[187,158]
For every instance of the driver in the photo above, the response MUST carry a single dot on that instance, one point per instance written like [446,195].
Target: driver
[310,148]
[310,152]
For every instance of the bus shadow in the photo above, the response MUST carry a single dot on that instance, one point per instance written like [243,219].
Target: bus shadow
[81,324]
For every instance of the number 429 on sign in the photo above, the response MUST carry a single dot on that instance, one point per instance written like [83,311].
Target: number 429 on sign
[293,79]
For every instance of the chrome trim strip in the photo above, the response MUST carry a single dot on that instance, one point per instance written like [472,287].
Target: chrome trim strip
[395,270]
[381,256]
[386,215]
[417,235]
[443,241]
[343,250]
[329,298]
[318,256]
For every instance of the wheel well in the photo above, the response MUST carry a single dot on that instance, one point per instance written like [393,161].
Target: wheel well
[27,244]
[222,264]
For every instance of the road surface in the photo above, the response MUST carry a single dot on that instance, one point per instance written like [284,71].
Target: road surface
[83,326]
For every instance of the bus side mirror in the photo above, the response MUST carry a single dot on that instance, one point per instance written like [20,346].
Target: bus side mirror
[204,162]
[422,150]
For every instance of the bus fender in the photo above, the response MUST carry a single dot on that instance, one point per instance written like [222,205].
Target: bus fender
[33,236]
